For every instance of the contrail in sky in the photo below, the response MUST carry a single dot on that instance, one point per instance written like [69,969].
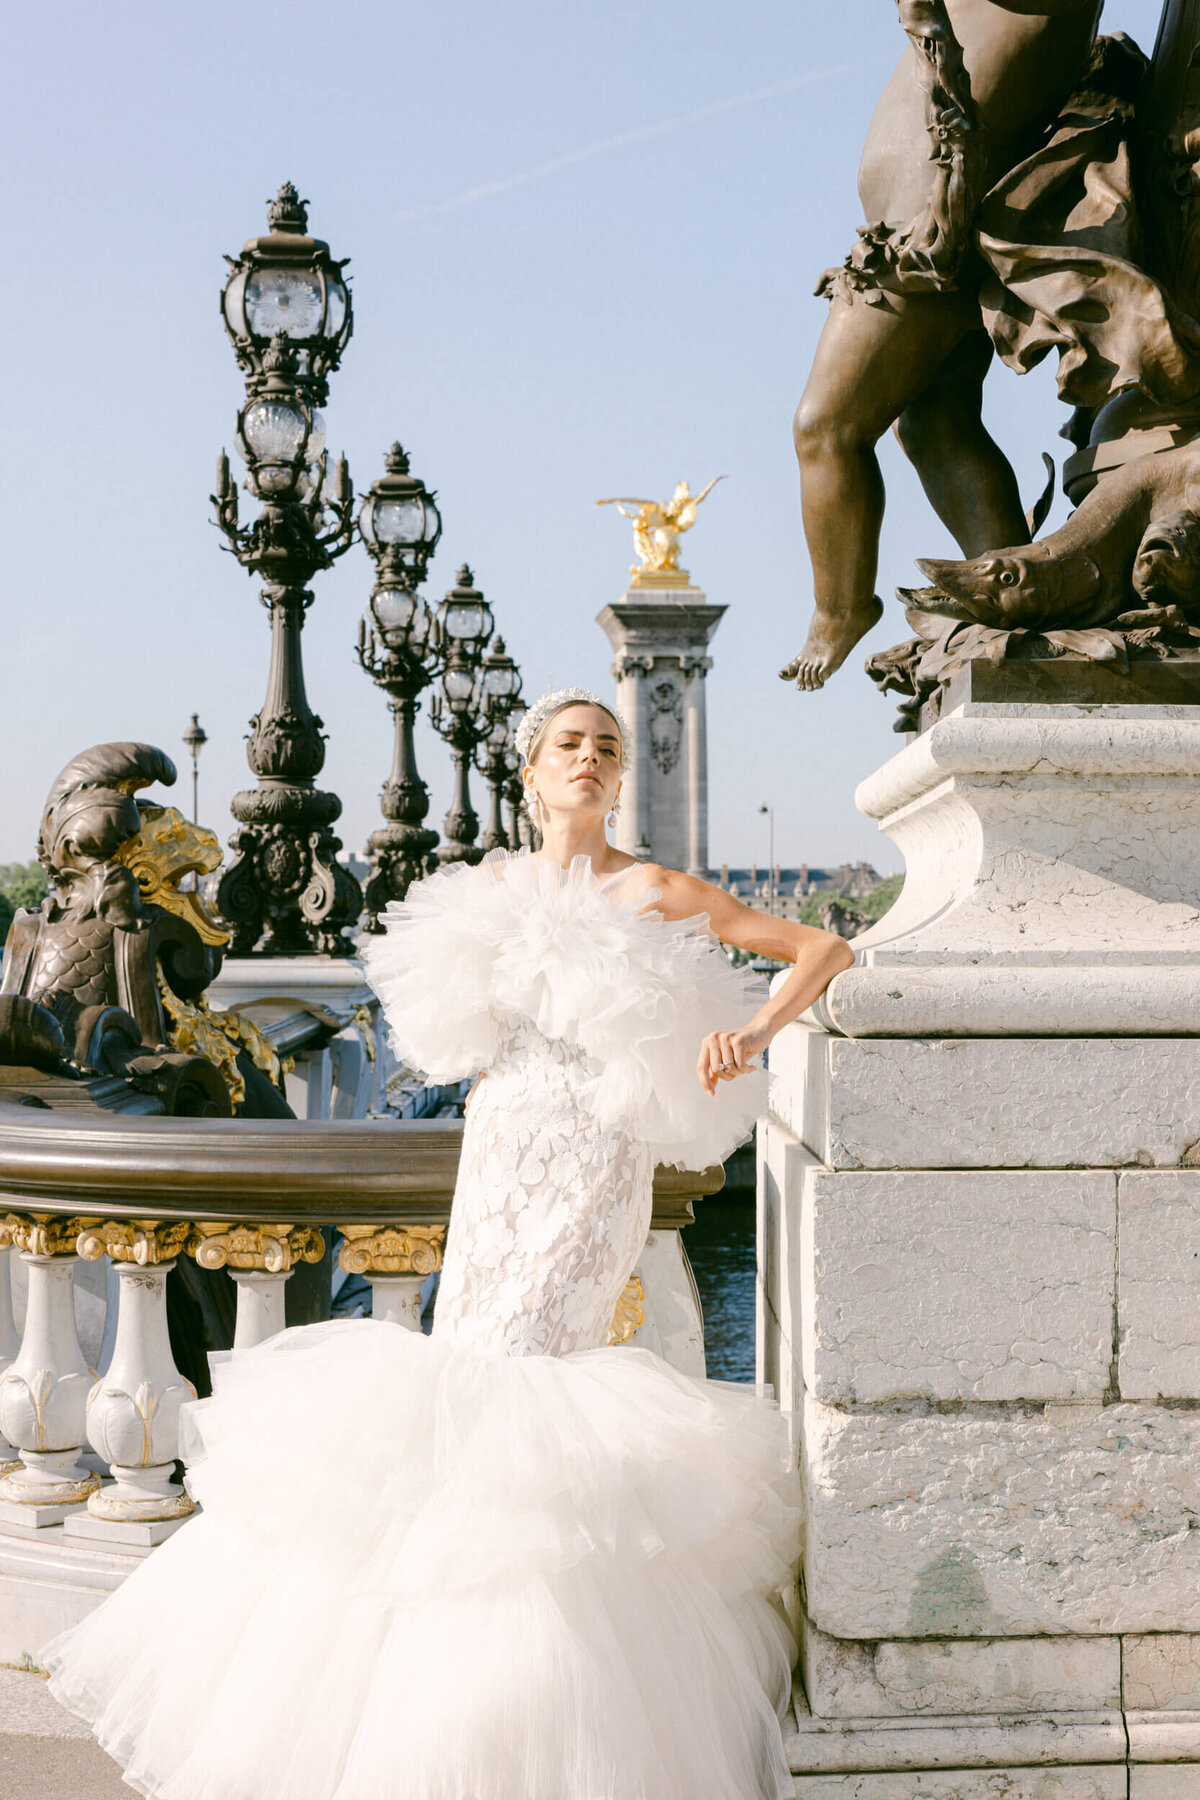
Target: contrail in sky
[487,189]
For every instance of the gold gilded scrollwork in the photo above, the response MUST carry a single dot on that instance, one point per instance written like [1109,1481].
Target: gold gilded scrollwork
[363,1017]
[391,1249]
[44,1234]
[631,1310]
[199,1031]
[273,1247]
[167,848]
[142,1241]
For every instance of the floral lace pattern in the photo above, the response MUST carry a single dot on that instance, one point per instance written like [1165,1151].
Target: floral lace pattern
[550,1212]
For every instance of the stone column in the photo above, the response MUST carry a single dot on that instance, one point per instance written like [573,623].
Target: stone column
[10,1344]
[260,1258]
[660,637]
[44,1391]
[980,1267]
[396,1260]
[133,1409]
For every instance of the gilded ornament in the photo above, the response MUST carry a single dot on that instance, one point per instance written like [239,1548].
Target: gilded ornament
[391,1249]
[657,528]
[276,1248]
[363,1018]
[630,1313]
[197,1030]
[167,848]
[142,1241]
[47,1234]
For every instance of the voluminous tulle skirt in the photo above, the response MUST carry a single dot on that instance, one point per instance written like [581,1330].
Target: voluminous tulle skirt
[422,1573]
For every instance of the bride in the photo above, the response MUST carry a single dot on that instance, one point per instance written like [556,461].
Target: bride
[504,1562]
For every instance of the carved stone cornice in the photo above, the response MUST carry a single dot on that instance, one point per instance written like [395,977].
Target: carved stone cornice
[146,1242]
[275,1248]
[392,1249]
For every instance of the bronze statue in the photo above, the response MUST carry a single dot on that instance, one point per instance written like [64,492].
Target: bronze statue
[102,987]
[1004,165]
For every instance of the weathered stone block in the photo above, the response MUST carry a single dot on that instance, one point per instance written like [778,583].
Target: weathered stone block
[1159,1298]
[988,1103]
[1002,1523]
[957,1286]
[1170,1781]
[847,1679]
[1162,1671]
[782,1162]
[980,1784]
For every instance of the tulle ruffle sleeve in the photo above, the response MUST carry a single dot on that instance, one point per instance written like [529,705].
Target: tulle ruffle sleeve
[518,937]
[433,971]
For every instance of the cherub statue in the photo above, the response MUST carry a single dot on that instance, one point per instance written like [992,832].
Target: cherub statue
[657,529]
[915,311]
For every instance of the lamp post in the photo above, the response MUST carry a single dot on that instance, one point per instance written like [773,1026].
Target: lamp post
[464,625]
[770,812]
[286,307]
[195,738]
[397,646]
[501,689]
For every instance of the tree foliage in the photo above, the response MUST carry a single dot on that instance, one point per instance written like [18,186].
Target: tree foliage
[23,884]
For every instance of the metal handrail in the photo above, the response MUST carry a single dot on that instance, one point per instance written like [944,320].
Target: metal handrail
[306,1170]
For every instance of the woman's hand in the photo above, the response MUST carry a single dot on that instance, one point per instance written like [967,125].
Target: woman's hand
[724,1055]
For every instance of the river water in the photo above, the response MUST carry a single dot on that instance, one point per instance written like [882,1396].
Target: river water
[721,1248]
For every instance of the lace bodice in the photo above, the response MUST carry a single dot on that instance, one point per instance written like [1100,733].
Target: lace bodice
[551,1208]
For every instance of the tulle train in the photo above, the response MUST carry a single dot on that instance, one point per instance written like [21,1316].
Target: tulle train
[426,1574]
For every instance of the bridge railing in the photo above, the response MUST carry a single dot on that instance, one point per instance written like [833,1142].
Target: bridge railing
[247,1196]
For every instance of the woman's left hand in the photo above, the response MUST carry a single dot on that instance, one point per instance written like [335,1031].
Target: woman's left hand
[724,1055]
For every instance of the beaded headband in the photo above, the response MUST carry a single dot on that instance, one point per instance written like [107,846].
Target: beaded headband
[549,704]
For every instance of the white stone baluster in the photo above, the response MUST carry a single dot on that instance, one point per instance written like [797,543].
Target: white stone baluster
[10,1343]
[260,1258]
[43,1392]
[133,1409]
[395,1259]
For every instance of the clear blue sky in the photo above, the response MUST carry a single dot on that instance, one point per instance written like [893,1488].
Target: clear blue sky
[583,241]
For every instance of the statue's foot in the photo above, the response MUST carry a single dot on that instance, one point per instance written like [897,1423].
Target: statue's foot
[831,638]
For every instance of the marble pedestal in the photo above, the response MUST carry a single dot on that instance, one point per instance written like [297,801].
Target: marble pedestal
[980,1276]
[286,997]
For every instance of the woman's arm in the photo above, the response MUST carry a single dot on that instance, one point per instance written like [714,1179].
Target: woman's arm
[817,956]
[470,1093]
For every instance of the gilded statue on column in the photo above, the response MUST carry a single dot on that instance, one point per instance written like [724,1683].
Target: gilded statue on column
[657,528]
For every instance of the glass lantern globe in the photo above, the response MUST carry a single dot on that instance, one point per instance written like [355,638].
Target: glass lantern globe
[501,678]
[395,612]
[399,515]
[459,685]
[287,282]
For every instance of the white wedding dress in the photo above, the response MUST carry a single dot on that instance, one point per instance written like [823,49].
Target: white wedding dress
[504,1562]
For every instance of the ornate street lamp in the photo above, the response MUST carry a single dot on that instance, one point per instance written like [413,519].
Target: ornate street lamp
[500,682]
[398,648]
[286,307]
[194,739]
[288,283]
[464,625]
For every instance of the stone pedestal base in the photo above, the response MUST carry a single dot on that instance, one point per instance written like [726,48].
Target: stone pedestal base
[979,1217]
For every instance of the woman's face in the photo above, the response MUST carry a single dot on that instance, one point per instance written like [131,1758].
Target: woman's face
[577,766]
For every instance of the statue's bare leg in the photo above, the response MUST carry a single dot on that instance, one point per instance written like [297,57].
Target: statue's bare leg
[967,478]
[871,363]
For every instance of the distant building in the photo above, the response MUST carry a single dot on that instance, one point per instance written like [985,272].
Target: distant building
[784,891]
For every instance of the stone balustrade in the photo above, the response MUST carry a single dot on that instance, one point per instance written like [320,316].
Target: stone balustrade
[95,1454]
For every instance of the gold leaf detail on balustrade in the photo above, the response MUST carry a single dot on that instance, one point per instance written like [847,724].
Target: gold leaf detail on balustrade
[142,1241]
[631,1311]
[391,1249]
[47,1234]
[273,1247]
